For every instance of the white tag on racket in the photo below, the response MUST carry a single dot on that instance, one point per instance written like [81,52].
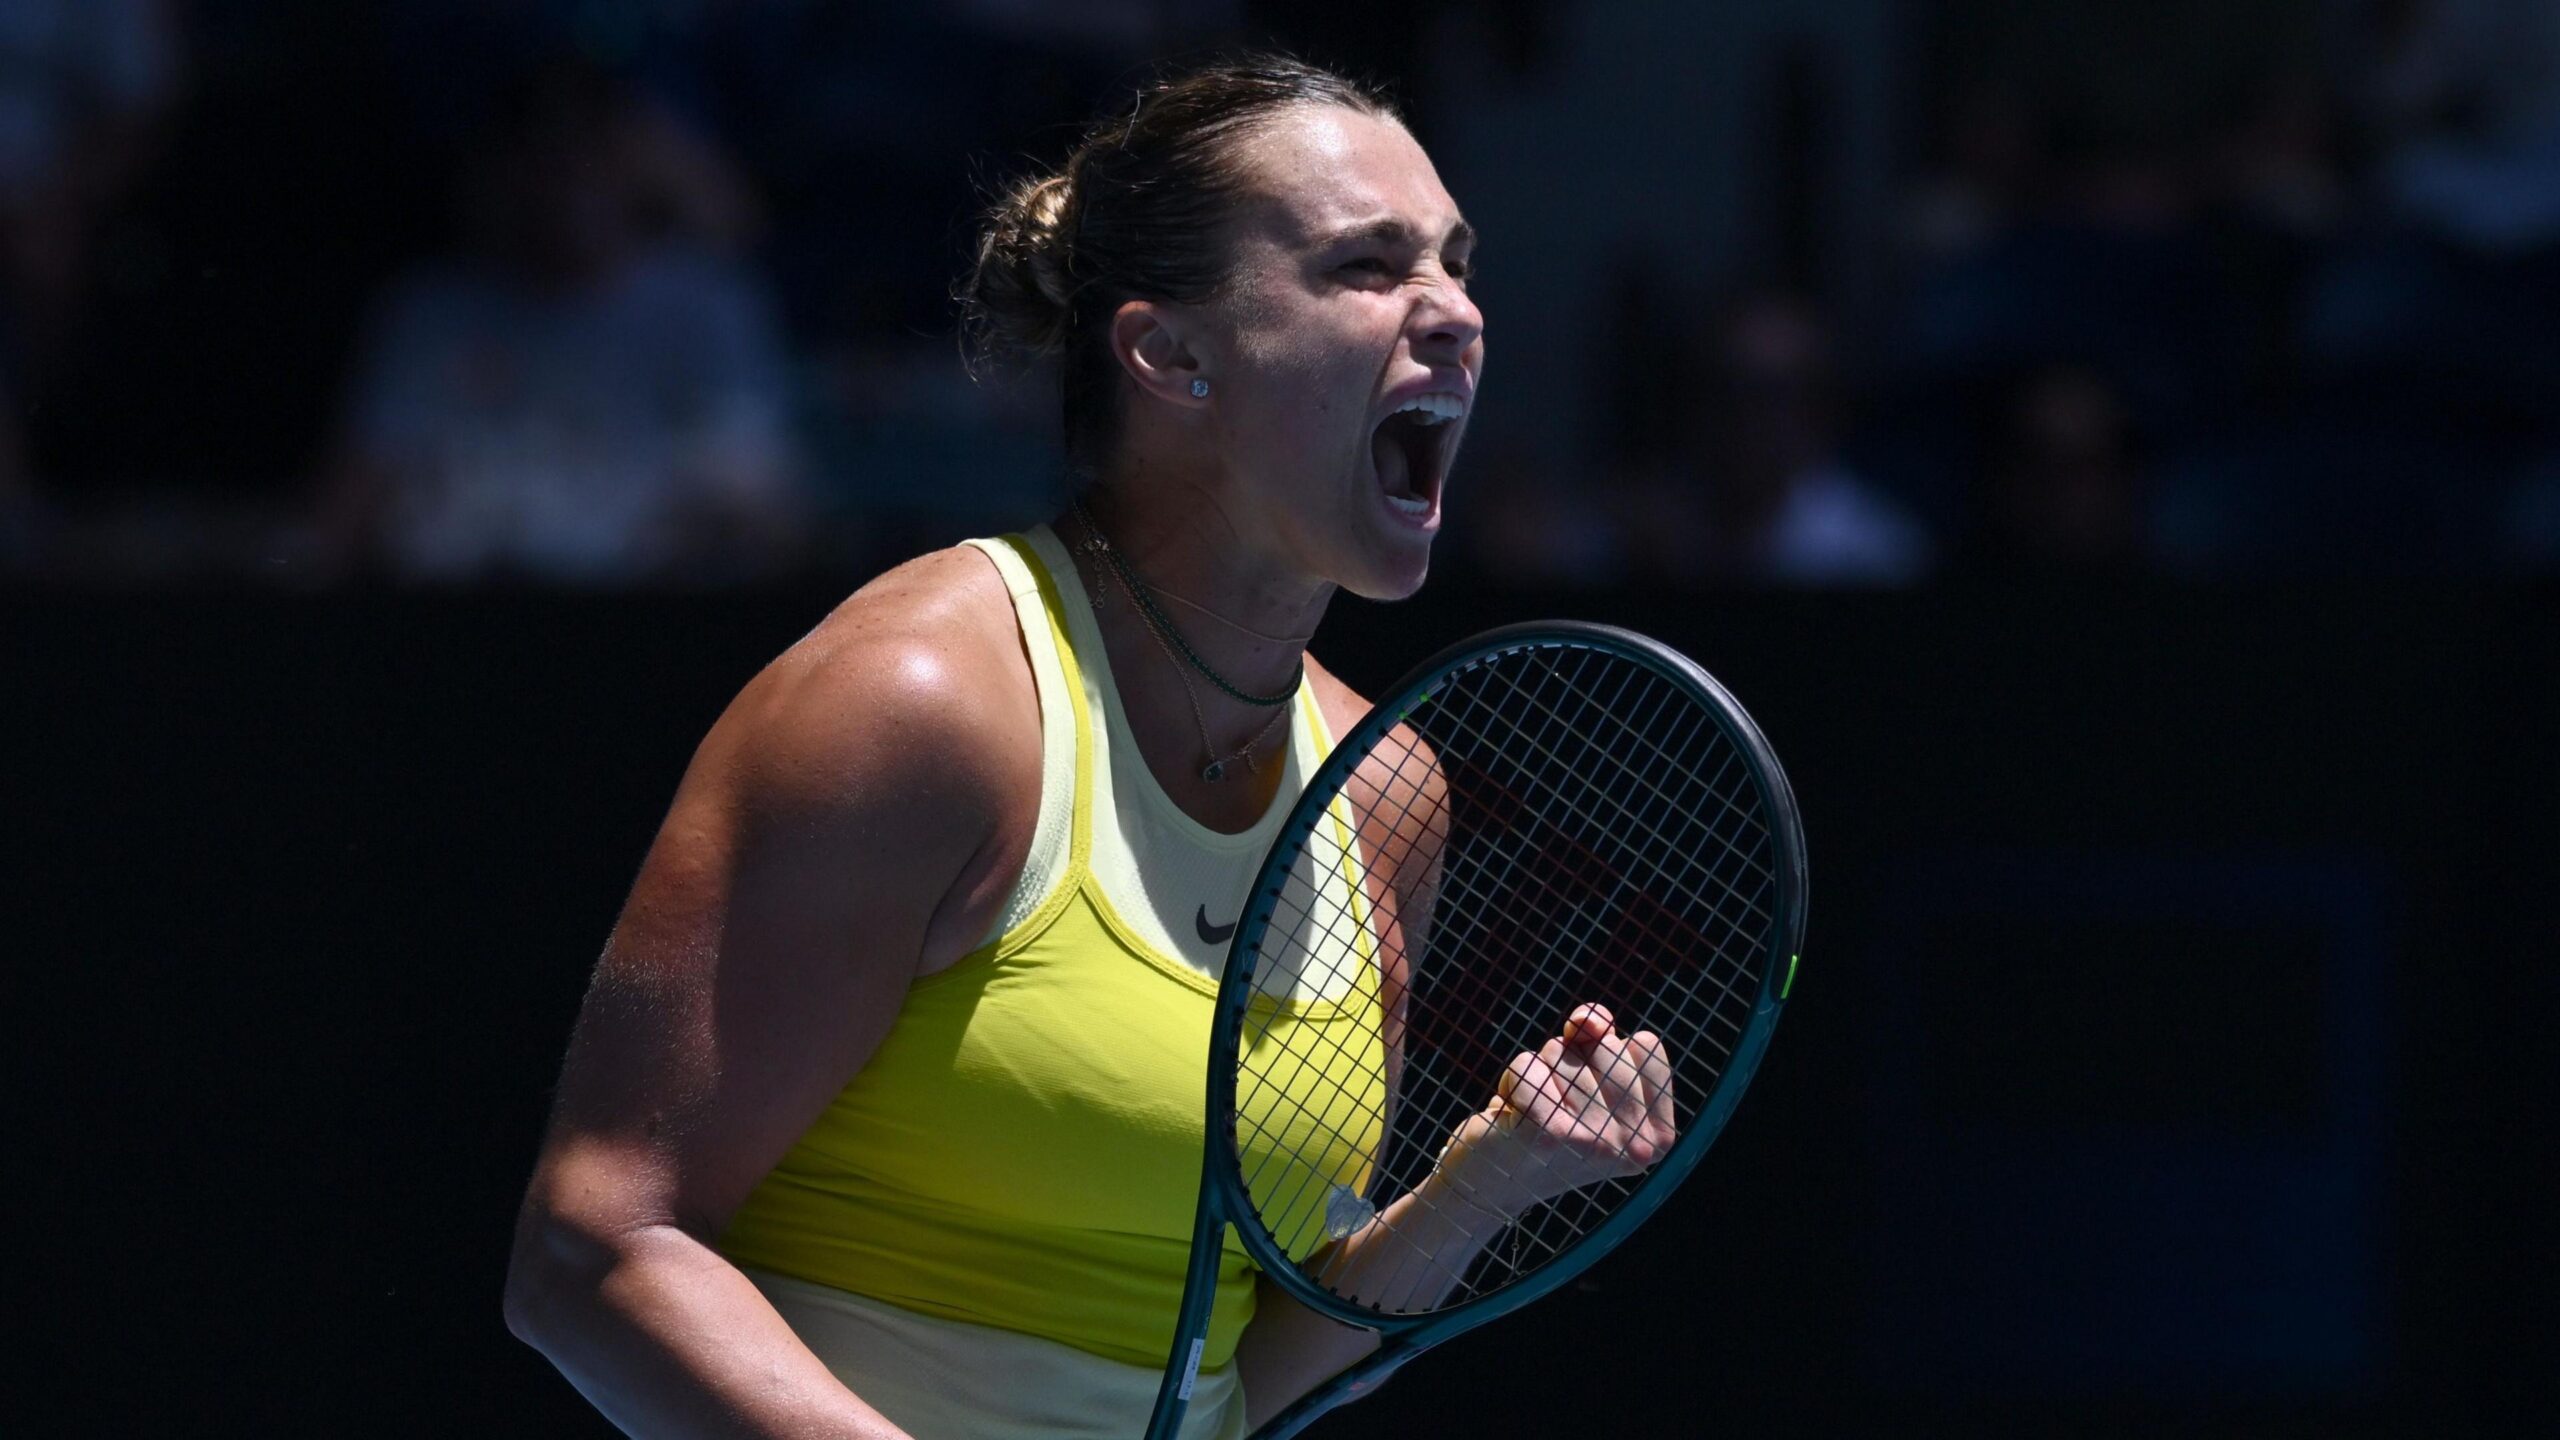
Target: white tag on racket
[1345,1211]
[1191,1371]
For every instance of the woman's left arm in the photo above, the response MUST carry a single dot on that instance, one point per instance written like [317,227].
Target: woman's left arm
[1587,1105]
[1289,1349]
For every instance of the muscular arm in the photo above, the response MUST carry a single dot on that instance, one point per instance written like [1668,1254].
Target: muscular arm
[1588,1105]
[824,846]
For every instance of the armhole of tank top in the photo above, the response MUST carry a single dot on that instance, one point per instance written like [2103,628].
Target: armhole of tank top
[1354,871]
[1319,733]
[1049,877]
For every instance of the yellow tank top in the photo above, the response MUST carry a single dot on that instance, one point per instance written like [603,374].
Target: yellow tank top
[1023,1150]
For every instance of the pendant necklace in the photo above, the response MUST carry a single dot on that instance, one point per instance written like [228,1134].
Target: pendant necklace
[1168,640]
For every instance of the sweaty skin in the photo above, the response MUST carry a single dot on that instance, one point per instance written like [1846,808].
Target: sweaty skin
[858,815]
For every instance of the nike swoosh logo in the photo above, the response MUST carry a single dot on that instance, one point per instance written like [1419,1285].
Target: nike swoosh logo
[1213,934]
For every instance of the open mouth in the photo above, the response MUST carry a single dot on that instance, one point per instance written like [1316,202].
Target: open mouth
[1410,450]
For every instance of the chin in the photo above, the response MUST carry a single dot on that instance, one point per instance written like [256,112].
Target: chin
[1378,553]
[1390,576]
[1383,593]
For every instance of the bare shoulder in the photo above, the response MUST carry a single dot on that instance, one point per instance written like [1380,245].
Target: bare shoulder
[1399,784]
[1343,706]
[898,741]
[1403,750]
[825,846]
[913,689]
[1402,801]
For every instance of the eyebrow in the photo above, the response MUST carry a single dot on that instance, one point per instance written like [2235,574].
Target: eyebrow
[1395,231]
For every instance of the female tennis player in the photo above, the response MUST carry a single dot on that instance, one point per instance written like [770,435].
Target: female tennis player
[883,1114]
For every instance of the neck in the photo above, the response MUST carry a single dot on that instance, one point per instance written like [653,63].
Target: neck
[1197,739]
[1249,624]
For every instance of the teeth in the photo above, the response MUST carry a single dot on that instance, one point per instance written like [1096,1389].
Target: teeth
[1434,409]
[1410,506]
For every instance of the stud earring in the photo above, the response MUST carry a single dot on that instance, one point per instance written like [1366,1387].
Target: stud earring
[1199,389]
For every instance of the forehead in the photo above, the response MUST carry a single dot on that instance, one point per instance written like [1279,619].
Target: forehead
[1318,170]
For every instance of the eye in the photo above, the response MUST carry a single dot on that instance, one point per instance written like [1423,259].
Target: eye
[1369,265]
[1461,270]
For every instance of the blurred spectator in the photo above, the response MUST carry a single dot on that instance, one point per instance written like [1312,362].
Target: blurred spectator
[2468,96]
[2066,491]
[1521,522]
[2113,267]
[1995,159]
[2281,195]
[588,394]
[589,390]
[82,83]
[1759,493]
[873,132]
[2281,164]
[847,113]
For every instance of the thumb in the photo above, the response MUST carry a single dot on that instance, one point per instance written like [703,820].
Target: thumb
[1529,1083]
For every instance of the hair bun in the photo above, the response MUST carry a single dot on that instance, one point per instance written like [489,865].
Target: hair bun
[1019,296]
[1138,211]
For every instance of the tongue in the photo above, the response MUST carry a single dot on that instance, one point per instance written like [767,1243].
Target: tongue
[1395,472]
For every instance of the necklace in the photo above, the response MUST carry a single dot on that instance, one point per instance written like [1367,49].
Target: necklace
[1215,769]
[1162,626]
[1203,610]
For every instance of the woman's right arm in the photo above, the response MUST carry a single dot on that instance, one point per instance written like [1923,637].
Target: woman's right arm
[834,834]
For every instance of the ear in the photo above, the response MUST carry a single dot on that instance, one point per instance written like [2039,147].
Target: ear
[1150,339]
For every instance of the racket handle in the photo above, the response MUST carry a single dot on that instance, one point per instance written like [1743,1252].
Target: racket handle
[1191,1323]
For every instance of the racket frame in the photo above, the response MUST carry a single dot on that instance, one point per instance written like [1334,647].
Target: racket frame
[1224,1200]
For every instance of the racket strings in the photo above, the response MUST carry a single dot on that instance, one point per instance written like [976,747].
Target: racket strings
[1754,910]
[1733,847]
[1740,927]
[1471,893]
[1658,753]
[1565,826]
[1457,885]
[1464,891]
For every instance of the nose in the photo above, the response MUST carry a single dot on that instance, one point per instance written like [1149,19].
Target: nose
[1447,323]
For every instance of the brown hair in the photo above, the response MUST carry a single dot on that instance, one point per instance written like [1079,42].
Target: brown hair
[1135,213]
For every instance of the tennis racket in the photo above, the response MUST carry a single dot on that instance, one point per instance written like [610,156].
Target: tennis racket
[1541,819]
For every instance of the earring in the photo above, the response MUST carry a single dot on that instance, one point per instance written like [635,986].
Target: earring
[1199,389]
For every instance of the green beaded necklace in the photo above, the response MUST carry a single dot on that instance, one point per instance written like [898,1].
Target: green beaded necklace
[1162,625]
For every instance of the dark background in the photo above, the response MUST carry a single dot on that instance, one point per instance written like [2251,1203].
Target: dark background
[2173,1033]
[2169,1054]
